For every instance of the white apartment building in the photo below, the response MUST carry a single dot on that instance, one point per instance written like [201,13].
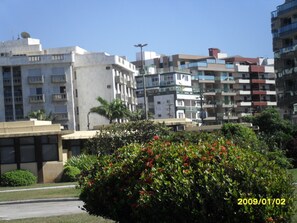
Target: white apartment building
[63,81]
[169,95]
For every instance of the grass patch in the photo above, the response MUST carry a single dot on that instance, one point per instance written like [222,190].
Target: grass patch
[39,194]
[75,218]
[37,186]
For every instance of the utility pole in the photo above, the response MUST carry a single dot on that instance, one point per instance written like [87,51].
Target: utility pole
[142,71]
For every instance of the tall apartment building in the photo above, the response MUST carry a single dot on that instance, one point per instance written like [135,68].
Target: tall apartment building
[284,32]
[63,81]
[230,87]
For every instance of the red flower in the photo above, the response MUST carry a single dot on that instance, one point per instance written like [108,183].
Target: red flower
[150,152]
[223,149]
[156,137]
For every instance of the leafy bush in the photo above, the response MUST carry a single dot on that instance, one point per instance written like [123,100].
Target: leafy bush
[117,135]
[16,178]
[70,174]
[246,138]
[82,162]
[200,182]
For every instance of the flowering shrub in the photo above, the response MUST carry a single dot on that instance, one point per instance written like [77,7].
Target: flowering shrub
[163,181]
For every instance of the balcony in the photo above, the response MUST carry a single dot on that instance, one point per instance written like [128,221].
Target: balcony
[260,103]
[131,100]
[244,103]
[244,92]
[131,84]
[242,81]
[242,68]
[258,81]
[119,79]
[61,116]
[37,98]
[284,8]
[204,78]
[8,100]
[227,80]
[59,97]
[36,79]
[17,81]
[120,96]
[6,82]
[229,105]
[229,92]
[59,78]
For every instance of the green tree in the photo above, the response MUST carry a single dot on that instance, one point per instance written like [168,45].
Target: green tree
[138,115]
[276,132]
[40,115]
[110,110]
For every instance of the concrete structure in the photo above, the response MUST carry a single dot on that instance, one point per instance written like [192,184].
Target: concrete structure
[64,81]
[230,87]
[32,145]
[284,32]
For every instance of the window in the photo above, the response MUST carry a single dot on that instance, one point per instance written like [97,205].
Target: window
[77,110]
[159,102]
[27,149]
[186,77]
[107,68]
[159,115]
[180,115]
[39,90]
[178,77]
[27,153]
[76,94]
[62,89]
[49,152]
[7,154]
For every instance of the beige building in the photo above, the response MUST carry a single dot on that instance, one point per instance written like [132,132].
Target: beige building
[32,145]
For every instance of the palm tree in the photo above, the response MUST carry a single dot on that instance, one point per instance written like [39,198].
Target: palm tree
[113,110]
[40,115]
[138,114]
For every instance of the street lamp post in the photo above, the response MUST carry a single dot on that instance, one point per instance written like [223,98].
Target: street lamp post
[88,119]
[143,78]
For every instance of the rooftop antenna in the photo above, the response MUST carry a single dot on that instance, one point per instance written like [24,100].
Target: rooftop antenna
[25,35]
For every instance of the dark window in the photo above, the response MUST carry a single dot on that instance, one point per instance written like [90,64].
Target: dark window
[49,152]
[27,153]
[39,90]
[158,102]
[7,154]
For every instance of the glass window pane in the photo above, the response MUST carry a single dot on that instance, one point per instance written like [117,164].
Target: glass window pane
[50,152]
[27,153]
[27,140]
[75,150]
[7,155]
[5,142]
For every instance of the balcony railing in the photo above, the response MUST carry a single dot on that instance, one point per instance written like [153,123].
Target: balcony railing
[61,116]
[59,97]
[36,79]
[39,98]
[119,79]
[59,78]
[283,8]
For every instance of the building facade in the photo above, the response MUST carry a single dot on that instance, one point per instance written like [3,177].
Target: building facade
[219,88]
[63,81]
[284,32]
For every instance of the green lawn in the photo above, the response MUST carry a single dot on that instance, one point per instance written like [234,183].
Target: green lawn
[37,185]
[75,218]
[39,194]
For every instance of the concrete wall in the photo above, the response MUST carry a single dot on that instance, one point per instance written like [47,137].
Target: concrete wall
[52,171]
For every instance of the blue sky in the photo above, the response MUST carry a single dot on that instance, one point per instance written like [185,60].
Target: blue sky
[237,27]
